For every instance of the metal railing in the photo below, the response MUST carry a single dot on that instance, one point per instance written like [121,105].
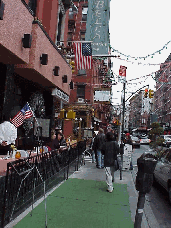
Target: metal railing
[26,179]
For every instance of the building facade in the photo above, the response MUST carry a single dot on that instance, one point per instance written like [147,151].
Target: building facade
[33,68]
[86,82]
[162,107]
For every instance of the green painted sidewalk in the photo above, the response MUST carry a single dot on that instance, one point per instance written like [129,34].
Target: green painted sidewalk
[79,203]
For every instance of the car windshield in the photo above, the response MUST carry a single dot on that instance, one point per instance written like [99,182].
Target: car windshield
[143,137]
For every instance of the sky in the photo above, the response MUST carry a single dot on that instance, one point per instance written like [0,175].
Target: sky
[138,29]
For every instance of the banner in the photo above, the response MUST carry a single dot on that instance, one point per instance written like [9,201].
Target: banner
[97,27]
[122,73]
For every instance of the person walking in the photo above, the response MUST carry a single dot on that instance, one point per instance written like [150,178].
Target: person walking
[110,150]
[94,156]
[97,146]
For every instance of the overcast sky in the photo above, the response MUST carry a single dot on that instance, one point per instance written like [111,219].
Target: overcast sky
[139,28]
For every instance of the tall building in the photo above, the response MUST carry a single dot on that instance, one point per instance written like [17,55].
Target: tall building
[90,95]
[162,97]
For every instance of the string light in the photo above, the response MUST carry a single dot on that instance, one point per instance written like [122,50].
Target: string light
[143,57]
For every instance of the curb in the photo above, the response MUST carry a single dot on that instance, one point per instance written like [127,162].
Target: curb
[149,217]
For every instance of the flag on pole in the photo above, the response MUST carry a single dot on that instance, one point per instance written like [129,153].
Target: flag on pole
[122,73]
[83,55]
[25,113]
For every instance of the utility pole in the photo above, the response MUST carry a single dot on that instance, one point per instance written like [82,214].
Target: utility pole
[122,135]
[122,73]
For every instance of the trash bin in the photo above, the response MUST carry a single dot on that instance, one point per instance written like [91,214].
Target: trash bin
[146,165]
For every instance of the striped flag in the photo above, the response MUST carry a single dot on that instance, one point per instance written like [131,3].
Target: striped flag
[83,55]
[25,113]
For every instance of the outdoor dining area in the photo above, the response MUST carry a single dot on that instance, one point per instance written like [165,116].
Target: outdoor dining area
[26,175]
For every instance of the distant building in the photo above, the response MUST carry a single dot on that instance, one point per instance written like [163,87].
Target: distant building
[162,108]
[139,111]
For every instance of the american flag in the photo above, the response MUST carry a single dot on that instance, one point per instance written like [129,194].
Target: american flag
[83,55]
[25,113]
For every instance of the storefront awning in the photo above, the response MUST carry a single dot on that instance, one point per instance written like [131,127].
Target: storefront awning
[97,120]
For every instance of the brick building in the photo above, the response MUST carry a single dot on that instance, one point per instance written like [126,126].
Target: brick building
[32,67]
[162,107]
[92,113]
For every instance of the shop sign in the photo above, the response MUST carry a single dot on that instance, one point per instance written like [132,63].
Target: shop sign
[98,26]
[61,95]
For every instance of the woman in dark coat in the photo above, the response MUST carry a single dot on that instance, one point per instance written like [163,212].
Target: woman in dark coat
[110,150]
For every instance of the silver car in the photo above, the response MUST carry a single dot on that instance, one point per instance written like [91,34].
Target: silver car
[167,140]
[144,140]
[162,172]
[135,141]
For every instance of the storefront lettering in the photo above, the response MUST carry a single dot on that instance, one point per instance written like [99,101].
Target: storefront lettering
[60,94]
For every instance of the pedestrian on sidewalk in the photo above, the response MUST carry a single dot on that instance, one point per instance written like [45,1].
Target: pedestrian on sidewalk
[94,153]
[110,150]
[97,146]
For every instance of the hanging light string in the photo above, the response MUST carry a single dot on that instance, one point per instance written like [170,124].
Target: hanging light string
[152,74]
[144,64]
[143,57]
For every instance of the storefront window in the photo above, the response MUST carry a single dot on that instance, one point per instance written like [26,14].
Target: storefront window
[84,13]
[81,91]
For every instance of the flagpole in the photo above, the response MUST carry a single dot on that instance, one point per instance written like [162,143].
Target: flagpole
[82,41]
[33,114]
[34,118]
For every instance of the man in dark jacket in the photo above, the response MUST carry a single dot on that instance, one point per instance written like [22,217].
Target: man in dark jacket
[110,150]
[97,146]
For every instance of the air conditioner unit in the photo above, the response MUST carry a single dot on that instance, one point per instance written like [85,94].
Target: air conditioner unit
[80,100]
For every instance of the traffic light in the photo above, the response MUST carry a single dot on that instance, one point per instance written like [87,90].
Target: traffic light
[72,63]
[146,93]
[62,114]
[151,93]
[71,114]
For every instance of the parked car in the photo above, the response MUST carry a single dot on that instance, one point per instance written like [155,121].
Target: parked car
[144,140]
[162,172]
[135,141]
[167,140]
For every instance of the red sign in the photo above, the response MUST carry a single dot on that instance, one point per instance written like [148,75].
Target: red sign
[122,71]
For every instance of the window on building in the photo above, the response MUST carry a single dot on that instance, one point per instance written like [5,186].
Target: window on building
[71,14]
[59,28]
[69,36]
[81,91]
[84,13]
[82,35]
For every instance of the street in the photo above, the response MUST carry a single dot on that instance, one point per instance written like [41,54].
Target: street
[158,197]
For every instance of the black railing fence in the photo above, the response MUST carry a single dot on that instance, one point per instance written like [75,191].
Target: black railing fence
[28,179]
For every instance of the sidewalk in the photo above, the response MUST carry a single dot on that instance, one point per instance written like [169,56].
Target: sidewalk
[83,198]
[90,172]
